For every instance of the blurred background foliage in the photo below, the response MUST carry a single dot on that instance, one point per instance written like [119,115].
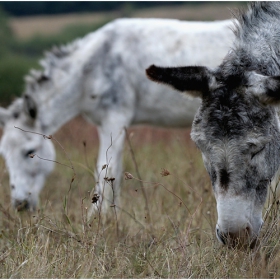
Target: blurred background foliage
[18,55]
[25,8]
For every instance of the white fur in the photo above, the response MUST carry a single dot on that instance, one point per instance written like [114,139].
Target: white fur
[27,175]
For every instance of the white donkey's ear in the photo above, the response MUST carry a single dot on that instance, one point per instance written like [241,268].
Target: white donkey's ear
[265,88]
[30,106]
[4,116]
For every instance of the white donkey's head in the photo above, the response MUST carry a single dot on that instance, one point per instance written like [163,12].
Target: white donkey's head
[27,173]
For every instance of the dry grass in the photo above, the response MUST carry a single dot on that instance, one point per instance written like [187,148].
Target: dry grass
[58,242]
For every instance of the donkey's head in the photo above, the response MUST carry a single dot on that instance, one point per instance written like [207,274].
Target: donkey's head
[20,149]
[237,125]
[237,131]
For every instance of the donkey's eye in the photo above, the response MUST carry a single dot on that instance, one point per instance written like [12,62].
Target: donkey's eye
[29,153]
[255,153]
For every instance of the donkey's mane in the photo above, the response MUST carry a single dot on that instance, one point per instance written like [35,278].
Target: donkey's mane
[52,59]
[256,47]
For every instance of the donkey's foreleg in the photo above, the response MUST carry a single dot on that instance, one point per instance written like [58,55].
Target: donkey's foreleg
[109,164]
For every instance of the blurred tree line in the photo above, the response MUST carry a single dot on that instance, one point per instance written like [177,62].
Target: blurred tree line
[25,8]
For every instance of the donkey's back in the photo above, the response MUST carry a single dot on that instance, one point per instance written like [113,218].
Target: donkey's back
[182,39]
[128,46]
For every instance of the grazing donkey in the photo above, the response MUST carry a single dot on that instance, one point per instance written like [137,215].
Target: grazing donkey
[102,77]
[237,125]
[27,176]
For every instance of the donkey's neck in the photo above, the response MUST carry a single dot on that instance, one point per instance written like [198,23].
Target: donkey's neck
[61,101]
[61,106]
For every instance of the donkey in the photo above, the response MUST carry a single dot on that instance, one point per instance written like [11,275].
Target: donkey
[27,174]
[237,125]
[101,76]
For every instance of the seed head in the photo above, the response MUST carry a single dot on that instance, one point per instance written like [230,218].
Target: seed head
[164,172]
[47,136]
[95,198]
[128,176]
[109,179]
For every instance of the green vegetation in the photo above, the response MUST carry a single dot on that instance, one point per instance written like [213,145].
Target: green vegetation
[13,67]
[19,56]
[35,46]
[25,8]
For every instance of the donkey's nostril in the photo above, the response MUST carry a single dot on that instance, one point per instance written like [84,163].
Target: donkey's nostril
[237,238]
[12,187]
[21,205]
[248,230]
[220,236]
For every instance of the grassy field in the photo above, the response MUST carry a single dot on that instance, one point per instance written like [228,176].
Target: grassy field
[174,238]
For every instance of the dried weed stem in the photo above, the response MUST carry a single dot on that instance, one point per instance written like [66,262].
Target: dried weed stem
[147,211]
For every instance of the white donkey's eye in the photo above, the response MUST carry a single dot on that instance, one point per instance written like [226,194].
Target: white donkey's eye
[29,153]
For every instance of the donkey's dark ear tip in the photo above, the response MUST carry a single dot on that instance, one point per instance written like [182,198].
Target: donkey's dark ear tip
[30,106]
[151,72]
[149,69]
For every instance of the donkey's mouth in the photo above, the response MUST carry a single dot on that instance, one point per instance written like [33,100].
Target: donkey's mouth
[254,243]
[22,205]
[241,240]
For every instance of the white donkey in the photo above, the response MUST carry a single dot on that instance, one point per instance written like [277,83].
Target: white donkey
[102,77]
[27,175]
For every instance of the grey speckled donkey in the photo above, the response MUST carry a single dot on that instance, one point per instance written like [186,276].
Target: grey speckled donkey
[237,126]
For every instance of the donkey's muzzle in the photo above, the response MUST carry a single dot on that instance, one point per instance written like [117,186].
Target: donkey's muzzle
[21,205]
[239,239]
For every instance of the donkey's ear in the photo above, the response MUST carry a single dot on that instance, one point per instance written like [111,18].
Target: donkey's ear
[4,116]
[30,106]
[194,79]
[265,88]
